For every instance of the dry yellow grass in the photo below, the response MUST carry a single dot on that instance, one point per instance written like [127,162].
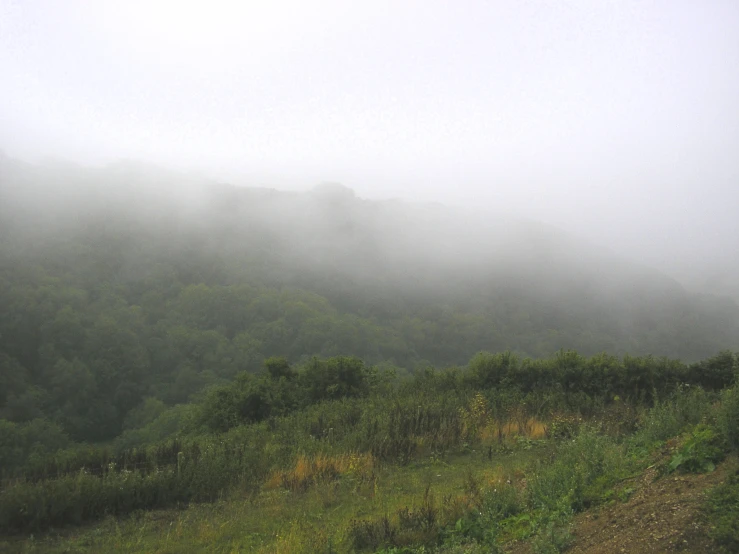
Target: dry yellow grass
[309,470]
[479,423]
[494,430]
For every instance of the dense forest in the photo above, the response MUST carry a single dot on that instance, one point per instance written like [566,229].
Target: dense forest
[128,286]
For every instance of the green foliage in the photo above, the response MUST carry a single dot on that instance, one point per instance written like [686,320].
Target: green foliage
[581,471]
[409,426]
[278,368]
[23,444]
[170,455]
[491,370]
[122,298]
[482,524]
[175,421]
[281,391]
[338,377]
[196,471]
[564,426]
[727,417]
[700,452]
[143,414]
[372,535]
[554,538]
[502,502]
[686,407]
[723,513]
[249,399]
[715,372]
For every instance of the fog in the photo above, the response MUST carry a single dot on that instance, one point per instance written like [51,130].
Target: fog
[615,121]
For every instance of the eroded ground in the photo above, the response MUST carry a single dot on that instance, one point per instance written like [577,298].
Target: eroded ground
[663,515]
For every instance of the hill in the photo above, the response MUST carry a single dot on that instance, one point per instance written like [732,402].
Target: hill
[129,282]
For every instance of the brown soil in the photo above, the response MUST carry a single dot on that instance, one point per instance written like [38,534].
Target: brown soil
[664,514]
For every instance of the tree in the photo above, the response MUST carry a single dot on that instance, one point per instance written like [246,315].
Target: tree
[278,368]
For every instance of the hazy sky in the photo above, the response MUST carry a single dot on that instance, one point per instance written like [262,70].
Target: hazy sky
[619,119]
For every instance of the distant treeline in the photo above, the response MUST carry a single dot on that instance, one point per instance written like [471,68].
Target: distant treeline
[87,358]
[566,381]
[281,390]
[123,294]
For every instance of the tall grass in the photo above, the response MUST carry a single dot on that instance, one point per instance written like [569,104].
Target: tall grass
[727,417]
[687,406]
[203,470]
[326,440]
[579,471]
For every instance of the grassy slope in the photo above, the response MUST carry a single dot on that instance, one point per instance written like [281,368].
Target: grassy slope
[646,513]
[495,494]
[661,515]
[278,520]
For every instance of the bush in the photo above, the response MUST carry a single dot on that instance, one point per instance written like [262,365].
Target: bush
[202,471]
[143,414]
[502,502]
[727,417]
[174,421]
[580,472]
[333,378]
[723,511]
[490,370]
[700,453]
[554,538]
[686,407]
[22,444]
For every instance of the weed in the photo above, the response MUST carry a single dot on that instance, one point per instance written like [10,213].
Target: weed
[687,406]
[563,426]
[580,472]
[553,539]
[727,417]
[625,494]
[371,535]
[723,511]
[699,453]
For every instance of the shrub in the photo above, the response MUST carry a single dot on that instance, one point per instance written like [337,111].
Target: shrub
[554,538]
[490,370]
[723,510]
[202,471]
[700,453]
[563,426]
[686,407]
[22,444]
[579,473]
[727,417]
[502,502]
[333,378]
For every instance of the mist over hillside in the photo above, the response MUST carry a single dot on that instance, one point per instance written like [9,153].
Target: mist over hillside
[430,272]
[368,276]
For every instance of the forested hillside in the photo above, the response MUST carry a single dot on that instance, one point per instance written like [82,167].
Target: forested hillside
[127,283]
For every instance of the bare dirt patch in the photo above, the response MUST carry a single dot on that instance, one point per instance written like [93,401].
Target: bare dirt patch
[663,515]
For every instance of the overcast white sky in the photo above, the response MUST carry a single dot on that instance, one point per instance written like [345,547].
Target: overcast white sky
[615,119]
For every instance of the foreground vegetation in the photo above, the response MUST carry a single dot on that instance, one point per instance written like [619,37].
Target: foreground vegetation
[335,456]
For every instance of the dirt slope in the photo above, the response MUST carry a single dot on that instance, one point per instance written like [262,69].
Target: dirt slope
[662,515]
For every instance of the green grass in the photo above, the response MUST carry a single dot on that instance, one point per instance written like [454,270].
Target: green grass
[473,498]
[723,512]
[278,520]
